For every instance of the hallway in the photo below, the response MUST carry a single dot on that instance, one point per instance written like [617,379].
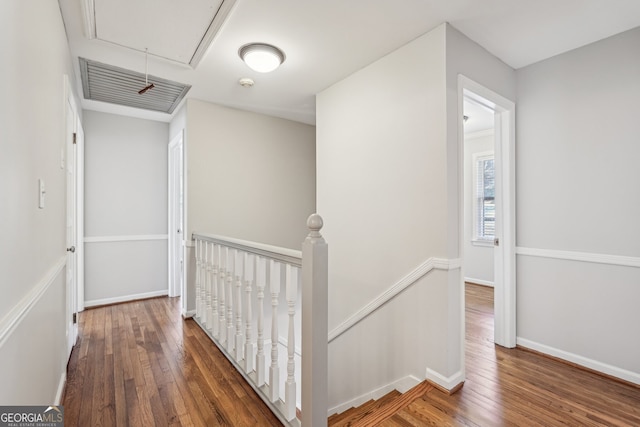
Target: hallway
[141,364]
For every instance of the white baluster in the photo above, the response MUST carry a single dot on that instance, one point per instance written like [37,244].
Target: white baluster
[239,345]
[261,359]
[249,260]
[224,252]
[315,395]
[198,264]
[207,285]
[231,255]
[274,370]
[215,252]
[290,384]
[203,281]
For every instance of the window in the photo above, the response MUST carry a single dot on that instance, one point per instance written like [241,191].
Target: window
[484,198]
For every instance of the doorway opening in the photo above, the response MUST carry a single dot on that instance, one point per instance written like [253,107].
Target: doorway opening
[488,226]
[479,215]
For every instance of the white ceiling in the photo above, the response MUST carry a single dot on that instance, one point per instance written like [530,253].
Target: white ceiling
[324,41]
[479,118]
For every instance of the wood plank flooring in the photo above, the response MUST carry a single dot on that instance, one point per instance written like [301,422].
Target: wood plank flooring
[514,387]
[141,364]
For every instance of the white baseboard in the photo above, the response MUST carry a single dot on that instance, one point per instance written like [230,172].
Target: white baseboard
[446,383]
[125,298]
[60,391]
[188,314]
[479,281]
[614,371]
[402,385]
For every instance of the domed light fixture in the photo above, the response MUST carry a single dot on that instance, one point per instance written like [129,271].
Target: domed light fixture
[261,57]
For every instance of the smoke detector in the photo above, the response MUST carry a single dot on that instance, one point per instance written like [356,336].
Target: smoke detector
[246,82]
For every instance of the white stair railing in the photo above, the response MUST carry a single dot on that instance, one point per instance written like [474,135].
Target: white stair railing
[226,271]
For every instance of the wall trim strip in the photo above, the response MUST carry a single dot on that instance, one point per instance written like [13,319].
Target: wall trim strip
[126,298]
[13,318]
[389,294]
[62,383]
[127,238]
[621,260]
[479,281]
[402,385]
[614,371]
[448,384]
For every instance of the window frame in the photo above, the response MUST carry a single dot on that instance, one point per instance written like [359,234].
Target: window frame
[478,160]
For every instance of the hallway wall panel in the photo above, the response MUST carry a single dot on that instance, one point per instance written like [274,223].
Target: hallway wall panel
[125,208]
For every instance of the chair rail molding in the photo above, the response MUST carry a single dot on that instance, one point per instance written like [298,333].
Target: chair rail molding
[408,280]
[125,238]
[13,318]
[621,260]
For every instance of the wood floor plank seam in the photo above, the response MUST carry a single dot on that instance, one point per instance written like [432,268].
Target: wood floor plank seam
[400,402]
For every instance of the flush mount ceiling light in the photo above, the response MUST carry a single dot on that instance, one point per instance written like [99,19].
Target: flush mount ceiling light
[261,57]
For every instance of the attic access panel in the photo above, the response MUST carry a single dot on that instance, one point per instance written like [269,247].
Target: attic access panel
[115,85]
[175,30]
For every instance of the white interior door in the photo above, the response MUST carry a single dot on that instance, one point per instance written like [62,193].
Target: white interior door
[176,217]
[71,224]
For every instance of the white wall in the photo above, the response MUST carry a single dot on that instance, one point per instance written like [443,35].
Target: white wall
[125,208]
[32,248]
[578,178]
[381,159]
[388,188]
[478,266]
[248,176]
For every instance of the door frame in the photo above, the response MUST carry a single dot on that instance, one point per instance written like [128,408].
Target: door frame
[69,164]
[505,262]
[175,248]
[79,214]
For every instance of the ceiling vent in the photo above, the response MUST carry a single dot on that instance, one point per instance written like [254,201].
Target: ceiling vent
[106,83]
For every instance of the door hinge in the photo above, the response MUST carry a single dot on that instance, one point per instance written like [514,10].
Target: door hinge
[75,318]
[75,137]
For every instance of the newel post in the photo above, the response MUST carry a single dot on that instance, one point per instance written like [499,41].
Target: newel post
[314,326]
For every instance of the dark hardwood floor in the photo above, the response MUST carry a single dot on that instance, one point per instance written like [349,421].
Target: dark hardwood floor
[515,387]
[141,364]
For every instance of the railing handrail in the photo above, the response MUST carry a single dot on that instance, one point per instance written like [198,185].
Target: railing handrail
[285,255]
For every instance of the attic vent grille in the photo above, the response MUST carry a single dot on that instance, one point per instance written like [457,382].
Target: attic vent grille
[106,83]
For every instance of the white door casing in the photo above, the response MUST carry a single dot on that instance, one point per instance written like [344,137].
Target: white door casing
[176,216]
[79,173]
[71,119]
[504,249]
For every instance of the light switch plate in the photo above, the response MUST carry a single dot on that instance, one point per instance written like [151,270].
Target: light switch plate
[41,193]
